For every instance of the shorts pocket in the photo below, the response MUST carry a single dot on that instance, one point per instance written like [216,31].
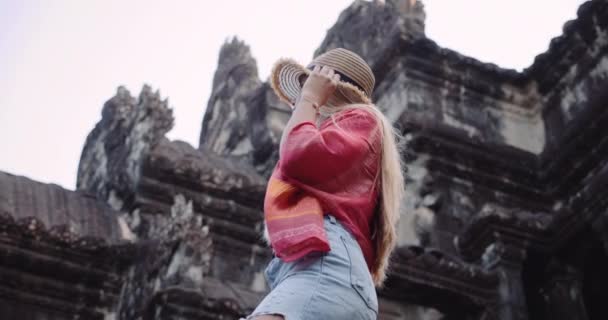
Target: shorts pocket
[360,279]
[270,272]
[308,266]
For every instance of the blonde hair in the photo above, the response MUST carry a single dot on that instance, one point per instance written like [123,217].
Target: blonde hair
[384,233]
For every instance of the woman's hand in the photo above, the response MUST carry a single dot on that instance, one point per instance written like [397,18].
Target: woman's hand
[319,86]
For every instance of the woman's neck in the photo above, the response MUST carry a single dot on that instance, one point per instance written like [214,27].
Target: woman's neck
[320,119]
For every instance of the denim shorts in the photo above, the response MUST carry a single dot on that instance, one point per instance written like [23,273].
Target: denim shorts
[329,285]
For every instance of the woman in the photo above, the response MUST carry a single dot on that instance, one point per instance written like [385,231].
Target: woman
[333,200]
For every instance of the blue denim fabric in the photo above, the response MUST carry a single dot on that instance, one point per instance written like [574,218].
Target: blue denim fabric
[333,285]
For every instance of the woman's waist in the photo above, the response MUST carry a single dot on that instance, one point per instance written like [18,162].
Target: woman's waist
[336,228]
[334,225]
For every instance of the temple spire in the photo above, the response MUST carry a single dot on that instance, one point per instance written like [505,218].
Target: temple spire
[411,10]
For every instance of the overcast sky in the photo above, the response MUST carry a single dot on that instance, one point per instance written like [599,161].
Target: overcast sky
[60,60]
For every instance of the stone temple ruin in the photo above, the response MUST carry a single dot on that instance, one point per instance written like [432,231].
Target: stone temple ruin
[507,204]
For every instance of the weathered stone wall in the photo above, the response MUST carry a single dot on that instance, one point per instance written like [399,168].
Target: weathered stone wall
[62,253]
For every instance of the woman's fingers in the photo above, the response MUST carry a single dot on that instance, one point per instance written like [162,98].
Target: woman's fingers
[323,70]
[327,72]
[320,83]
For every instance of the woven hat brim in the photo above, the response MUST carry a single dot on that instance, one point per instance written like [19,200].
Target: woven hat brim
[284,80]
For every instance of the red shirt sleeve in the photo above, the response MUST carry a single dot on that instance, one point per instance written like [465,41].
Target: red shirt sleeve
[313,155]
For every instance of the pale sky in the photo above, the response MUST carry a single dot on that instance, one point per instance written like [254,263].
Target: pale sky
[60,60]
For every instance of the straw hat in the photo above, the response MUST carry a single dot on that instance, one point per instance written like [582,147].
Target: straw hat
[356,77]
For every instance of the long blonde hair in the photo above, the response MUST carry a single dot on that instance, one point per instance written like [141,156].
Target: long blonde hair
[384,233]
